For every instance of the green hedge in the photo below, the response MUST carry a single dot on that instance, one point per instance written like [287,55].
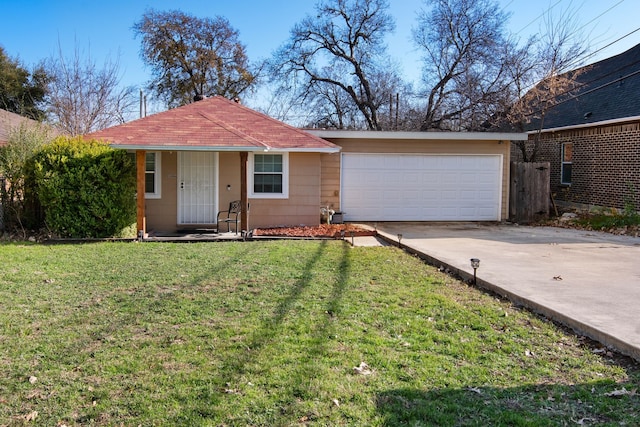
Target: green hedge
[86,188]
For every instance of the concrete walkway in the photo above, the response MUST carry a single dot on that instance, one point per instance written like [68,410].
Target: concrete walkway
[589,281]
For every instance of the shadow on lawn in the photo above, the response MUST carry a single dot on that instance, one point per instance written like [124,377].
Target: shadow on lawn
[266,333]
[534,405]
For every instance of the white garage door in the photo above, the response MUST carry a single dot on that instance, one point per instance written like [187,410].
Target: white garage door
[416,187]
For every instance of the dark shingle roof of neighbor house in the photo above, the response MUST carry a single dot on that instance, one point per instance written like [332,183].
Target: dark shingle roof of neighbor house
[214,123]
[8,121]
[607,90]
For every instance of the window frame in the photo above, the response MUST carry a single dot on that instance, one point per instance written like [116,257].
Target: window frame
[564,163]
[285,176]
[157,175]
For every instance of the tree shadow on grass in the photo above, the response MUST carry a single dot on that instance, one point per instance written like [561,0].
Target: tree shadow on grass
[212,389]
[532,405]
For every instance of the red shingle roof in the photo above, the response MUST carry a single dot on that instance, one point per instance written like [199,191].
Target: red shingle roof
[214,123]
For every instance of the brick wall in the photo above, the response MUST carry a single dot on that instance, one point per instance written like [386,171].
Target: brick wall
[606,164]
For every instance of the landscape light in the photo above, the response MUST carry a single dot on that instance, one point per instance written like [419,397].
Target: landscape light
[475,264]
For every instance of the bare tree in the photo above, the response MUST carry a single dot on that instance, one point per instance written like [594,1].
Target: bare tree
[82,97]
[192,57]
[546,75]
[465,51]
[339,51]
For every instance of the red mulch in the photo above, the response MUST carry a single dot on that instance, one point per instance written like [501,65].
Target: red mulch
[323,230]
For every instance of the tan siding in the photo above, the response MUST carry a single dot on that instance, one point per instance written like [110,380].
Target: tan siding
[435,147]
[330,180]
[162,213]
[303,205]
[229,174]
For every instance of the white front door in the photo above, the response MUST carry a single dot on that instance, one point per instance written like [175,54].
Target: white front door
[197,187]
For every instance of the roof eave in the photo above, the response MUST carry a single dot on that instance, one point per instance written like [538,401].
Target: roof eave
[222,148]
[586,125]
[419,136]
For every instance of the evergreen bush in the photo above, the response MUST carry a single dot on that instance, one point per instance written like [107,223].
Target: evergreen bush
[86,188]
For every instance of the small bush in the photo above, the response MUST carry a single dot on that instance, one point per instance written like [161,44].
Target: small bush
[86,188]
[20,207]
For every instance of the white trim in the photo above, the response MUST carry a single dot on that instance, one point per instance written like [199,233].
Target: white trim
[563,163]
[157,177]
[180,214]
[586,125]
[424,136]
[223,149]
[285,176]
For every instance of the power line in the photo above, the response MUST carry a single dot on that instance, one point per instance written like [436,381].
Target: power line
[540,16]
[612,43]
[584,58]
[592,90]
[603,13]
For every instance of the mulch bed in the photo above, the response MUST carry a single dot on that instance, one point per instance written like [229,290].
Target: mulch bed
[316,231]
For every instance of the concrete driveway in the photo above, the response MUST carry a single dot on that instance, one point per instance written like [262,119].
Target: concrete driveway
[589,281]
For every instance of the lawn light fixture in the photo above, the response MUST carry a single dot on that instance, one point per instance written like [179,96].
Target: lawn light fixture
[475,264]
[342,234]
[353,233]
[399,239]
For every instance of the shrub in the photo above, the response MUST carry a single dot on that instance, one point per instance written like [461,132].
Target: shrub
[86,188]
[20,208]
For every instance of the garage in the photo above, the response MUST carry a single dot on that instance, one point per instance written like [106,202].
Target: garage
[421,187]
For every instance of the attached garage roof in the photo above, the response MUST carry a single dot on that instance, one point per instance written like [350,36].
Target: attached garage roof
[214,123]
[424,136]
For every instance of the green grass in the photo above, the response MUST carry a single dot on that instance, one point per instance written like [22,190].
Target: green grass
[268,334]
[604,221]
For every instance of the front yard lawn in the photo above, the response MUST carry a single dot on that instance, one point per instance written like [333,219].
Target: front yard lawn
[282,333]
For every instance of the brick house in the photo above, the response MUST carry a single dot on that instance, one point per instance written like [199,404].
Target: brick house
[592,137]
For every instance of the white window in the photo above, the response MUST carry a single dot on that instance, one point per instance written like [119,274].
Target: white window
[567,163]
[152,175]
[269,175]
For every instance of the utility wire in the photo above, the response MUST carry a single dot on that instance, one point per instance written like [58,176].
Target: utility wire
[592,90]
[610,44]
[540,16]
[603,13]
[584,58]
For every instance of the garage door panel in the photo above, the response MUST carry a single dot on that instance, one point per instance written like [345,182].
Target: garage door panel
[418,187]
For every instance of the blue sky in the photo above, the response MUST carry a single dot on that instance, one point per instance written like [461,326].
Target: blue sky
[32,30]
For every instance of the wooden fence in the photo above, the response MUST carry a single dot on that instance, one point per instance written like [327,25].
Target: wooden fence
[530,194]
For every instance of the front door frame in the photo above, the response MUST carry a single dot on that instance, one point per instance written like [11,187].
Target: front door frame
[205,218]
